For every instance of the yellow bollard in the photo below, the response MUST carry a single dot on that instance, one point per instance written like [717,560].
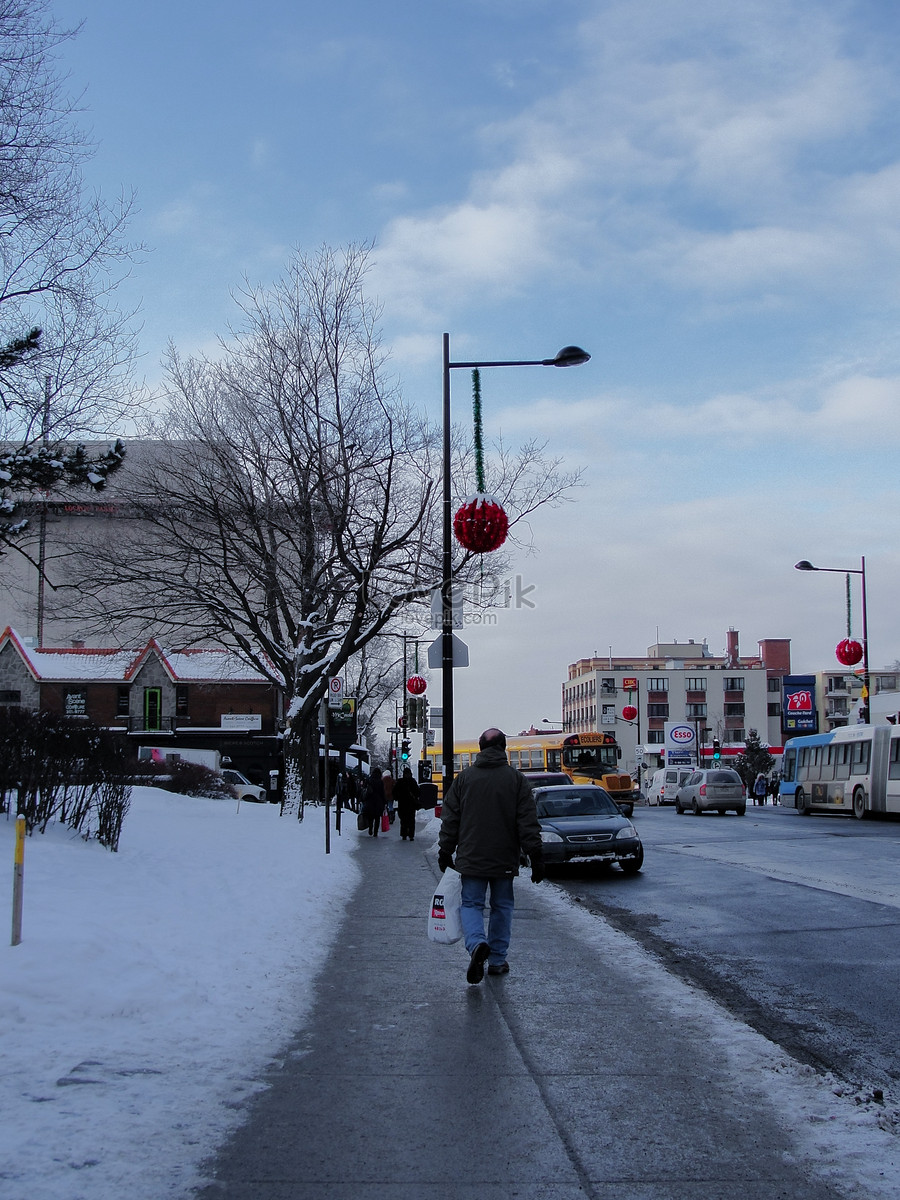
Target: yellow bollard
[18,881]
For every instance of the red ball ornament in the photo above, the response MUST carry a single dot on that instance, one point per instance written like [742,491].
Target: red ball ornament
[629,712]
[481,524]
[849,652]
[416,685]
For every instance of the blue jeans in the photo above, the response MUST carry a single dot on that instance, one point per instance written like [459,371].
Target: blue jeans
[474,891]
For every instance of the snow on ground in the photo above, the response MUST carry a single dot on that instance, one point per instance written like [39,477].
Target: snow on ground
[839,1133]
[152,986]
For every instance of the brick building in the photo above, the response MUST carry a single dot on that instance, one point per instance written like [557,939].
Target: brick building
[195,697]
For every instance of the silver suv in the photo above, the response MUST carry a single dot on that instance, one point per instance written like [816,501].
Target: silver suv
[715,790]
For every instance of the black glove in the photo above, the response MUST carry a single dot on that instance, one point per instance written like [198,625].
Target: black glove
[537,868]
[445,860]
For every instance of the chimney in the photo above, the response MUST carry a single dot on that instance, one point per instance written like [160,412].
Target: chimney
[77,643]
[732,653]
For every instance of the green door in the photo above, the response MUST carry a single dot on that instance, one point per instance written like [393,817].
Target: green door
[152,708]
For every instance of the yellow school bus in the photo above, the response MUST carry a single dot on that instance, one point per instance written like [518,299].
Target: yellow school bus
[584,757]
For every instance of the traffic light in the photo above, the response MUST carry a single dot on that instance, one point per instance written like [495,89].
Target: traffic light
[415,713]
[717,749]
[404,750]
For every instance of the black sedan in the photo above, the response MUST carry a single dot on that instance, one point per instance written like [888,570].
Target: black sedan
[584,824]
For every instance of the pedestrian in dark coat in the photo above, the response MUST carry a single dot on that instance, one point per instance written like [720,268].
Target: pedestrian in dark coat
[373,802]
[406,797]
[489,819]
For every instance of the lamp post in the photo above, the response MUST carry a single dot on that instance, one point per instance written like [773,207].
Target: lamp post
[569,356]
[806,565]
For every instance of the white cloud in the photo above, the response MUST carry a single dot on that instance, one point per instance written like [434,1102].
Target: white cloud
[704,149]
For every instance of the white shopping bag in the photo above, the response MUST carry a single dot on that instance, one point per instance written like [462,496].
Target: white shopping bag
[444,924]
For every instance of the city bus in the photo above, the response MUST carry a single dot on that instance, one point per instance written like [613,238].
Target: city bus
[855,768]
[585,757]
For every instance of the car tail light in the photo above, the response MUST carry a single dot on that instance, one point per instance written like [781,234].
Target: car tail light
[703,789]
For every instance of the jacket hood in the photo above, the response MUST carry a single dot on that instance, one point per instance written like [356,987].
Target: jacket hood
[492,757]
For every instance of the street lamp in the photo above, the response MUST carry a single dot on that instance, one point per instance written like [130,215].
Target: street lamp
[805,565]
[569,356]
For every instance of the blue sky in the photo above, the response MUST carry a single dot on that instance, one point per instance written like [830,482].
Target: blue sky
[704,196]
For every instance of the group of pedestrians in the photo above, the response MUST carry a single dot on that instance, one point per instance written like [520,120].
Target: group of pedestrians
[383,795]
[763,787]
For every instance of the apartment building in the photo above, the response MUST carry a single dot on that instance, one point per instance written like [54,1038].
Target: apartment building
[720,696]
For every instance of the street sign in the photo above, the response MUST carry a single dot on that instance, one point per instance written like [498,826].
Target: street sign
[335,691]
[436,656]
[429,737]
[393,729]
[437,608]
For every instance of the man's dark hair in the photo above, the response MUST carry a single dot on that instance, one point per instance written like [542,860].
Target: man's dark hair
[492,737]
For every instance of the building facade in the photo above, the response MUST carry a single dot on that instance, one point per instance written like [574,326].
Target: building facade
[721,697]
[206,697]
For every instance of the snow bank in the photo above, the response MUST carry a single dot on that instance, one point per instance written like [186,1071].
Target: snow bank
[151,986]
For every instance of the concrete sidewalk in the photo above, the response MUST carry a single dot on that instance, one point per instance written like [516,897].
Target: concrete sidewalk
[564,1079]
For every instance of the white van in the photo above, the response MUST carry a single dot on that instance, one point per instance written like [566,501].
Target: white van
[666,782]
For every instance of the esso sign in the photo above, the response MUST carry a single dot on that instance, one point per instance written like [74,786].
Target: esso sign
[682,735]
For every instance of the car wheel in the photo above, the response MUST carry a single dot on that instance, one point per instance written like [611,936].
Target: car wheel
[721,812]
[801,802]
[678,808]
[695,807]
[739,812]
[859,804]
[632,865]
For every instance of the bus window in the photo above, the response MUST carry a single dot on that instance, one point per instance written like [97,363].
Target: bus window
[803,762]
[554,760]
[859,764]
[894,764]
[828,762]
[842,767]
[789,766]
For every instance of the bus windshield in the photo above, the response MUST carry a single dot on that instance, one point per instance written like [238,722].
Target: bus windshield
[597,757]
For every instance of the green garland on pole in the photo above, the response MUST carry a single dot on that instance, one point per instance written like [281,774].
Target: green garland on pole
[479,438]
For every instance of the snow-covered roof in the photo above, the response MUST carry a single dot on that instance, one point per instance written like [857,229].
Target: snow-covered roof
[100,665]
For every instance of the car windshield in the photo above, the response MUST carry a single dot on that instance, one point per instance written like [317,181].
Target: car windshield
[575,802]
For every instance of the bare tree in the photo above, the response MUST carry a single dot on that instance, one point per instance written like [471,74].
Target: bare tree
[67,354]
[289,507]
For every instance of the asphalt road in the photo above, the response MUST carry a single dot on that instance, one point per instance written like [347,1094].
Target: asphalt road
[790,922]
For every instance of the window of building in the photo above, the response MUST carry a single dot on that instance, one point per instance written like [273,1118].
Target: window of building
[181,699]
[9,696]
[658,710]
[774,709]
[734,735]
[607,687]
[123,697]
[658,684]
[655,737]
[774,685]
[734,683]
[695,710]
[696,683]
[734,710]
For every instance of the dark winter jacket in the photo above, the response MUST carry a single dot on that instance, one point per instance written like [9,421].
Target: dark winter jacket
[373,796]
[489,818]
[406,794]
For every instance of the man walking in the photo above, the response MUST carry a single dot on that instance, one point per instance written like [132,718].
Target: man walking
[488,819]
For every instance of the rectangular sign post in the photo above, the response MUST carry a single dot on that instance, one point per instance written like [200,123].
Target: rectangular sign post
[680,743]
[18,881]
